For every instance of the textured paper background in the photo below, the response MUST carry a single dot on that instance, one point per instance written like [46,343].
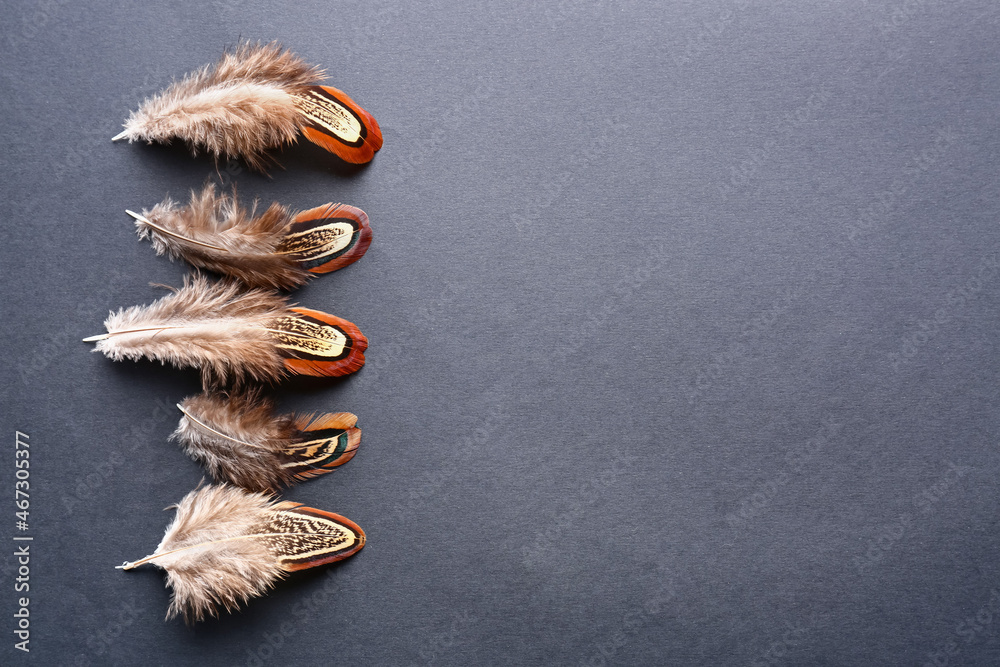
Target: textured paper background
[683,322]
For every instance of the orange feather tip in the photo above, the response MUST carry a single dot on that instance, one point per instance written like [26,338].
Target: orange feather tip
[319,344]
[328,237]
[325,442]
[306,561]
[337,123]
[335,420]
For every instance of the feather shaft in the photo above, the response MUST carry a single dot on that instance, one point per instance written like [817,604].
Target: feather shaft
[150,558]
[180,237]
[123,332]
[202,425]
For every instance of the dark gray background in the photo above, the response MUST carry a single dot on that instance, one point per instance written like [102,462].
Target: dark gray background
[683,323]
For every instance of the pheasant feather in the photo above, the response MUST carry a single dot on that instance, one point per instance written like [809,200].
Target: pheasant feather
[240,440]
[233,335]
[257,97]
[277,249]
[226,545]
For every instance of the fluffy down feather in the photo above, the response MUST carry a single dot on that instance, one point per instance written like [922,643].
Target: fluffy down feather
[226,546]
[214,232]
[252,100]
[215,327]
[277,249]
[240,440]
[233,335]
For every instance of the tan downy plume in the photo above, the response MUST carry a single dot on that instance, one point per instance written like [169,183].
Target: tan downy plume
[233,335]
[257,97]
[240,440]
[278,248]
[226,545]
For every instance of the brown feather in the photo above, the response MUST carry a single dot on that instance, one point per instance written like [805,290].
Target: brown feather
[251,101]
[233,335]
[239,440]
[278,249]
[226,545]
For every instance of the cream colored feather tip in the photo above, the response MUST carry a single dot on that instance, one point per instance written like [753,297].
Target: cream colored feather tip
[226,546]
[257,97]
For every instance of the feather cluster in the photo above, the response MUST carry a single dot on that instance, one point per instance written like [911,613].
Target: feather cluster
[278,248]
[232,541]
[233,335]
[257,97]
[226,545]
[240,440]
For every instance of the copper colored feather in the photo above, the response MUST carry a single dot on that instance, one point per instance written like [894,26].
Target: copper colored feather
[257,97]
[240,440]
[226,545]
[233,335]
[278,248]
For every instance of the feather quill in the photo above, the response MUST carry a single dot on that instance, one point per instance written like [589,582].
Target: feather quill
[226,545]
[233,335]
[240,440]
[257,97]
[278,249]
